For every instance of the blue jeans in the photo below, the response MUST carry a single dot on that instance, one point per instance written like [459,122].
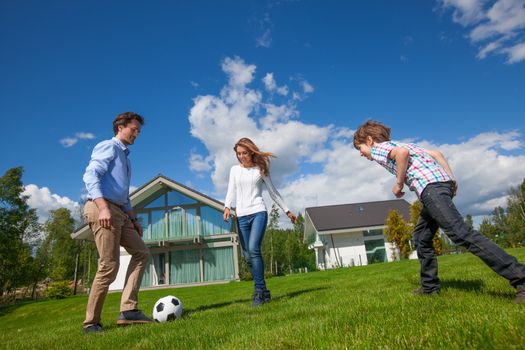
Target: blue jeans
[251,233]
[439,211]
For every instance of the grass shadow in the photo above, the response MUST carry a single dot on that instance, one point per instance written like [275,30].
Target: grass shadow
[246,300]
[467,285]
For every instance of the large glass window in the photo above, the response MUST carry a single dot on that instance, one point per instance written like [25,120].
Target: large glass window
[175,219]
[375,251]
[185,266]
[144,222]
[146,279]
[159,269]
[212,222]
[158,227]
[377,232]
[177,198]
[159,202]
[218,264]
[192,226]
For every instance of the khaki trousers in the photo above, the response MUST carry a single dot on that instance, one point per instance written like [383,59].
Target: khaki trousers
[108,242]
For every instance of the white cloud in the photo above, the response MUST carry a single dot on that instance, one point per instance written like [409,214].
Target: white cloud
[265,40]
[516,53]
[271,85]
[265,26]
[465,12]
[335,171]
[198,163]
[72,140]
[307,87]
[44,201]
[496,26]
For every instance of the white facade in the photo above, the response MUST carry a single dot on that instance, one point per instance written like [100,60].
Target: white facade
[346,248]
[118,283]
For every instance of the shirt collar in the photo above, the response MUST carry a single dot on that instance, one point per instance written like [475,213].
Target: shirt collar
[121,145]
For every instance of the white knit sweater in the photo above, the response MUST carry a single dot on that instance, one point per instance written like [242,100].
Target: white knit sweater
[245,191]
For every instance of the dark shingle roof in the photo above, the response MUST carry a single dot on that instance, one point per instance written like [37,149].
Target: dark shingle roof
[355,215]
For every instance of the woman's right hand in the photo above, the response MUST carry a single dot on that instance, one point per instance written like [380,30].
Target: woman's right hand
[226,215]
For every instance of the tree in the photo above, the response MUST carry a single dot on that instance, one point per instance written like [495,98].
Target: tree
[415,211]
[398,232]
[269,244]
[515,219]
[18,226]
[62,249]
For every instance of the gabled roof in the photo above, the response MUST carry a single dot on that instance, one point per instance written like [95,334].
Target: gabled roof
[157,184]
[355,215]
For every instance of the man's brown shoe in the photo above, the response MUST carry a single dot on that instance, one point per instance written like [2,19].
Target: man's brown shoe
[132,317]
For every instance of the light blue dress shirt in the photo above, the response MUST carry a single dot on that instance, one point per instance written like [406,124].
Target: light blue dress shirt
[108,173]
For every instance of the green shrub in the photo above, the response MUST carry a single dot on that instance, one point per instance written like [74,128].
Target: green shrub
[58,290]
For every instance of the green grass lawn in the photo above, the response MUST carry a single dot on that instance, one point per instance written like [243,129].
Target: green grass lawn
[368,307]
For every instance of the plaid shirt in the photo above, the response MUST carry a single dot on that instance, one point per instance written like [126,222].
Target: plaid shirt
[422,169]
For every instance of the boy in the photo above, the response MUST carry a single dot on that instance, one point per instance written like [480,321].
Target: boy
[428,174]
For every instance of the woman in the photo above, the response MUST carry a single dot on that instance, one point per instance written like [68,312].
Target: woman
[245,197]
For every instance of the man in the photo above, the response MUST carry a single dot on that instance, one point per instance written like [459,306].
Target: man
[109,214]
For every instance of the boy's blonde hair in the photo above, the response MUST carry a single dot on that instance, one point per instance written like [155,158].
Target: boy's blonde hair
[374,129]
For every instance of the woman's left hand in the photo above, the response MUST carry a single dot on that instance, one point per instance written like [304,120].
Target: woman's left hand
[292,217]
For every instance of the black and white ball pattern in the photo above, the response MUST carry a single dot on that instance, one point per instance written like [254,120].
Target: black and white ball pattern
[168,308]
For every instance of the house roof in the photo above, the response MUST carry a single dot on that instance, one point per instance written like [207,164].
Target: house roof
[355,215]
[157,184]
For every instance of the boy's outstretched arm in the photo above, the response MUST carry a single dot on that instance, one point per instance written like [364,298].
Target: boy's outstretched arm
[400,155]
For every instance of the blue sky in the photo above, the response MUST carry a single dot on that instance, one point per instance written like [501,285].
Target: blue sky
[296,76]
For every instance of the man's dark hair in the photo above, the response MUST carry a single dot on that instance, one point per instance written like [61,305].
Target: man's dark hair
[126,118]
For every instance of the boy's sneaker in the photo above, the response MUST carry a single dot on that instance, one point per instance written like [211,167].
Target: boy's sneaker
[266,295]
[93,328]
[520,294]
[132,317]
[421,291]
[258,298]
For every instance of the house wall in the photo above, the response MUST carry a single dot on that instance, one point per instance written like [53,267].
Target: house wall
[125,258]
[344,249]
[188,240]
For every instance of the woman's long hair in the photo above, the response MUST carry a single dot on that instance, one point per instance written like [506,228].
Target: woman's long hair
[259,158]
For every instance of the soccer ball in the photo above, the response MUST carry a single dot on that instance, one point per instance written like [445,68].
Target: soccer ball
[167,308]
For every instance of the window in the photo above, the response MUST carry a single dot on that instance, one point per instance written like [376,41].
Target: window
[212,222]
[159,202]
[375,251]
[377,232]
[177,198]
[218,264]
[185,266]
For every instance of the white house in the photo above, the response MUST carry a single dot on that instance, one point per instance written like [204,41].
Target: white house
[352,234]
[189,241]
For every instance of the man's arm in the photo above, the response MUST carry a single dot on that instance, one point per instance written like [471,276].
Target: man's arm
[104,214]
[102,155]
[400,155]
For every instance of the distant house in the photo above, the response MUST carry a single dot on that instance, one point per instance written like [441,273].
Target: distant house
[351,234]
[189,241]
